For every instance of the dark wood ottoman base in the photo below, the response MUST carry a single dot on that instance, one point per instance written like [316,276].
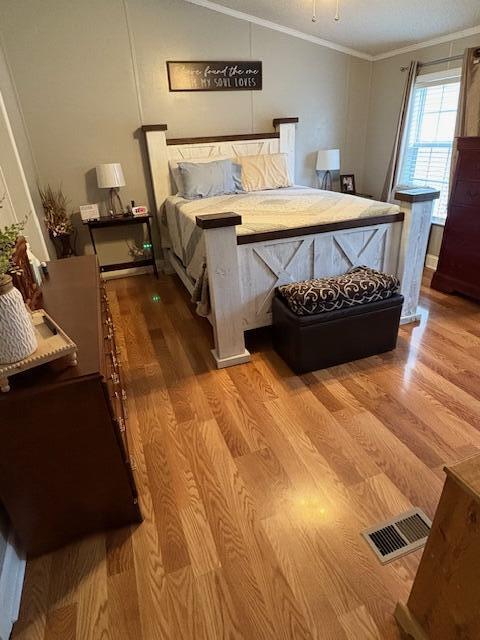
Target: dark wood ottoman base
[323,340]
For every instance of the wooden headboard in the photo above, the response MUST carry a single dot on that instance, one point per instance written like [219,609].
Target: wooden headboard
[161,150]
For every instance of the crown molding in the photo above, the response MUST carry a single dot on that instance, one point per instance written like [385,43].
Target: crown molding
[428,43]
[240,15]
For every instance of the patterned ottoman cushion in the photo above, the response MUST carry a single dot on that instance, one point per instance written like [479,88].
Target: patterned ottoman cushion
[360,285]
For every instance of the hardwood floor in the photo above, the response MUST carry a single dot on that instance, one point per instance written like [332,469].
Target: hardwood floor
[255,483]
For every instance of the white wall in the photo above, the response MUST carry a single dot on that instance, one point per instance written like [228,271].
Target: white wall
[84,87]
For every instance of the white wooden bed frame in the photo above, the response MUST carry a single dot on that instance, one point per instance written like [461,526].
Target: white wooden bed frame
[243,271]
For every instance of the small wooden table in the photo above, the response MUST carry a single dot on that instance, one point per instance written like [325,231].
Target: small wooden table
[114,221]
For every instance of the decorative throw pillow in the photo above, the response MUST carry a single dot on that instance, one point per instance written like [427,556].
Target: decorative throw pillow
[203,180]
[265,171]
[360,285]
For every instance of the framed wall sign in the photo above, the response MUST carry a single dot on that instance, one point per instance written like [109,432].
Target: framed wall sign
[214,76]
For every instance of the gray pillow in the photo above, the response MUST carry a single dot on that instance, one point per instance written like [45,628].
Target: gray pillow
[206,179]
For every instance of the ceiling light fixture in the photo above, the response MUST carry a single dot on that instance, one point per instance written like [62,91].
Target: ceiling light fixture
[314,11]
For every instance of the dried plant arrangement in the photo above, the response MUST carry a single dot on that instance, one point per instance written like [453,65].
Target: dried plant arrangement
[58,222]
[55,204]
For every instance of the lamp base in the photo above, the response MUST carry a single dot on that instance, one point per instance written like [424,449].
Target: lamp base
[327,181]
[115,203]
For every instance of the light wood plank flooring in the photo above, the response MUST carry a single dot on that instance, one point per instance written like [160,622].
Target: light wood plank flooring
[255,483]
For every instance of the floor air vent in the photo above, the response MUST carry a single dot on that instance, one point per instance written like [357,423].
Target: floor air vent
[400,535]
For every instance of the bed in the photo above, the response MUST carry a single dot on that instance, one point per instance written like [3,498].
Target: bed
[252,243]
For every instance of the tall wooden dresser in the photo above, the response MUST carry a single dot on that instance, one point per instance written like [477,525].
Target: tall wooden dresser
[459,261]
[65,469]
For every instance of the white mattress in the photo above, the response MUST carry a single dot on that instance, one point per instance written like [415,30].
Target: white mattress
[263,211]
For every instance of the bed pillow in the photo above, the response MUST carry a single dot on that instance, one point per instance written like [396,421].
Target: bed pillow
[265,171]
[175,171]
[177,176]
[206,179]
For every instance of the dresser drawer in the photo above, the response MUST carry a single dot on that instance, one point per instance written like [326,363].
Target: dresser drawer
[117,394]
[116,406]
[466,221]
[114,386]
[460,254]
[467,194]
[469,165]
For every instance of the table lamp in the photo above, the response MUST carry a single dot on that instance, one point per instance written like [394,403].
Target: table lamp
[328,160]
[110,176]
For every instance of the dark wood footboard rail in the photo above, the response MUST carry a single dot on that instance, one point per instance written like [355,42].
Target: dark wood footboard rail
[230,219]
[320,228]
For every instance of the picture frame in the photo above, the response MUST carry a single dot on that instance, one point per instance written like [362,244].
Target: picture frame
[347,183]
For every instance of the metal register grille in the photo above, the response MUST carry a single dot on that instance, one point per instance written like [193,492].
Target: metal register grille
[398,536]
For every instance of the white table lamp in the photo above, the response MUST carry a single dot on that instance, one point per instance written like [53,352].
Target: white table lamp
[328,160]
[110,176]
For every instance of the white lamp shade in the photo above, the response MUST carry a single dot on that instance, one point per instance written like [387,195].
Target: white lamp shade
[328,160]
[110,175]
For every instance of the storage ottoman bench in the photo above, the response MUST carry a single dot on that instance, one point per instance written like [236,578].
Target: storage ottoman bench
[328,321]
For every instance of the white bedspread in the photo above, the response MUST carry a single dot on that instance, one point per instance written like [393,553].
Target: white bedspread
[262,211]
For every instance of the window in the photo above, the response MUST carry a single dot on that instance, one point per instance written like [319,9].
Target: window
[427,147]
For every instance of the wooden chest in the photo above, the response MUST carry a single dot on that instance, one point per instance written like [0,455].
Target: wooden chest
[65,468]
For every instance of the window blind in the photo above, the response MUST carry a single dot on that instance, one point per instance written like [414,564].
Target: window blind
[427,147]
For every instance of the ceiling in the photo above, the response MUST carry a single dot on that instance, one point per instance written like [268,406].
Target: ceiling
[372,27]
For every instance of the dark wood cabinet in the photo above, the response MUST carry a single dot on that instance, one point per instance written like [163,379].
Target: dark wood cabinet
[65,467]
[459,261]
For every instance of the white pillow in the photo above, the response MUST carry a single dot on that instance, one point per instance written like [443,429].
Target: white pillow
[176,174]
[265,171]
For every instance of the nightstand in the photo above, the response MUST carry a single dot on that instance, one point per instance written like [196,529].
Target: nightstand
[119,221]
